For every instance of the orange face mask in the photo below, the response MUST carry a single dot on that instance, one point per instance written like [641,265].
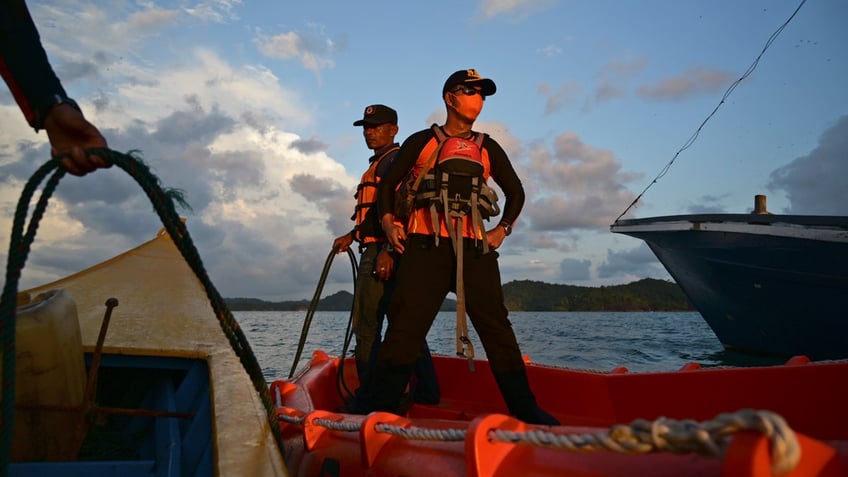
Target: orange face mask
[469,107]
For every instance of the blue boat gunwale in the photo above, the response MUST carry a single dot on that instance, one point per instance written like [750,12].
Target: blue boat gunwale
[174,445]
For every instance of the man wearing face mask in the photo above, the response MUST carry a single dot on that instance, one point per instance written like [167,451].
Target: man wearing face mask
[427,270]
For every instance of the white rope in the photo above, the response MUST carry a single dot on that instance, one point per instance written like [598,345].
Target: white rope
[422,434]
[290,419]
[709,438]
[337,425]
[680,437]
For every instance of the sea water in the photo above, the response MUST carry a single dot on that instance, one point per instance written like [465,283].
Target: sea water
[601,341]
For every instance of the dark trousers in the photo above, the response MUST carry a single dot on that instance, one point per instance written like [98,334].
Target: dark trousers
[424,277]
[369,303]
[369,309]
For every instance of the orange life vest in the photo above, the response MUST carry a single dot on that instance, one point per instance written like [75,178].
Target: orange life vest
[421,220]
[368,228]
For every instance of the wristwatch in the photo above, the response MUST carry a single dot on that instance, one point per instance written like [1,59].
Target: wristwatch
[42,110]
[507,228]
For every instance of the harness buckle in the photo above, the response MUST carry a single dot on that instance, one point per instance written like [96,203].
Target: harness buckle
[467,351]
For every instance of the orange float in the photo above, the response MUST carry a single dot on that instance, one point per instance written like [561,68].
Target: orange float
[787,420]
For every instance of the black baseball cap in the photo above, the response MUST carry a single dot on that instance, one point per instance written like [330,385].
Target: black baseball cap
[377,114]
[469,77]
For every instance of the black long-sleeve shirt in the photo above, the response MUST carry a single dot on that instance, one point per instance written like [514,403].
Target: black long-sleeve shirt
[500,170]
[24,64]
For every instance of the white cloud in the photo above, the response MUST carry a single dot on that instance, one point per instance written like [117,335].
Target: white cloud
[515,9]
[566,95]
[815,183]
[151,20]
[314,53]
[218,131]
[215,11]
[211,82]
[574,185]
[81,31]
[694,81]
[550,50]
[635,263]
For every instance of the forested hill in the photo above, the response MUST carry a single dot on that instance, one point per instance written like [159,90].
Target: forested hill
[525,295]
[647,294]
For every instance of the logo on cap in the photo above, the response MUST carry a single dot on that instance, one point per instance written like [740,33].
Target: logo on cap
[459,147]
[377,114]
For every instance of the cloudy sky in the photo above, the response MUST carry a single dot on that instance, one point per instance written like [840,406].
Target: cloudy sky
[248,108]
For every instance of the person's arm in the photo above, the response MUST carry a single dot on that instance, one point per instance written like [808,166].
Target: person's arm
[24,64]
[401,166]
[385,265]
[39,93]
[504,175]
[403,162]
[341,244]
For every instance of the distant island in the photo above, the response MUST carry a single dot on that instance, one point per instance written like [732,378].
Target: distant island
[648,294]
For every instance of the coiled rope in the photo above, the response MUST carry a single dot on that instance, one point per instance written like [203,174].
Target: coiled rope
[343,389]
[316,299]
[163,203]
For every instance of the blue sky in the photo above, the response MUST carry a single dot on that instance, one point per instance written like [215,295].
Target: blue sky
[248,108]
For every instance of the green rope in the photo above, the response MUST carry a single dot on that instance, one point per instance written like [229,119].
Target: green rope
[163,204]
[313,306]
[341,385]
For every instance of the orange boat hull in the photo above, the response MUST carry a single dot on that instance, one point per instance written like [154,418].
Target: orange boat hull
[319,440]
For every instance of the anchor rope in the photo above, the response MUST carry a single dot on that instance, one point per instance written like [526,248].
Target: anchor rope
[163,204]
[723,99]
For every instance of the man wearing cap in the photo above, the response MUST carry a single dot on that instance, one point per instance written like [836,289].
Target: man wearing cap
[375,281]
[427,270]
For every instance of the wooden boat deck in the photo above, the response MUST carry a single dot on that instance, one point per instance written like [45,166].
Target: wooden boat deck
[163,311]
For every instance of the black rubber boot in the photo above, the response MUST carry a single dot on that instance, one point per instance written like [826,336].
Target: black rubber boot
[361,397]
[520,399]
[425,384]
[363,372]
[387,386]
